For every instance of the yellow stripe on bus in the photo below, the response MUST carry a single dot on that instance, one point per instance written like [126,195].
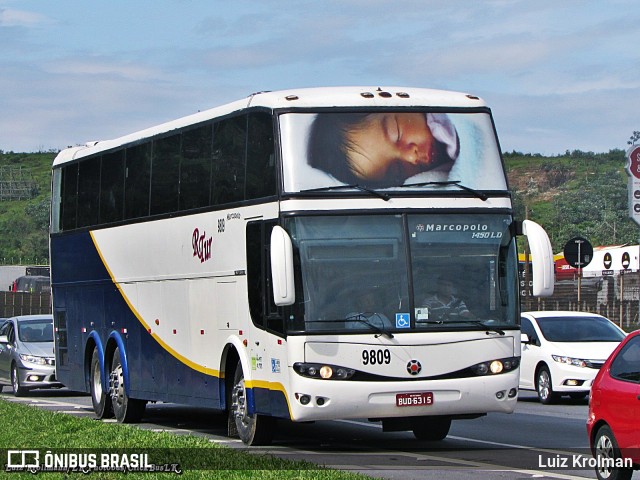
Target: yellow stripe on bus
[183,359]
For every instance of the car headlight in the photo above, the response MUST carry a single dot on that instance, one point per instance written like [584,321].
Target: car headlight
[33,359]
[576,362]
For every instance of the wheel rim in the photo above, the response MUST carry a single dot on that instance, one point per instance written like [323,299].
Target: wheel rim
[116,385]
[239,406]
[97,383]
[544,385]
[604,451]
[15,381]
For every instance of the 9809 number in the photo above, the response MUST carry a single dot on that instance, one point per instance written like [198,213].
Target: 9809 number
[376,357]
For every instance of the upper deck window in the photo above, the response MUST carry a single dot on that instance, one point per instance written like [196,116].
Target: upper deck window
[214,164]
[389,149]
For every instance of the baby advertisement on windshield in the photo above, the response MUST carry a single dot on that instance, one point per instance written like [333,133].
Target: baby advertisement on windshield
[390,149]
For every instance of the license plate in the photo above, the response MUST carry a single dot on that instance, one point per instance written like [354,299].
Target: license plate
[420,399]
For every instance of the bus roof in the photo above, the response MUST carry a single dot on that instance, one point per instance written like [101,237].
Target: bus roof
[290,99]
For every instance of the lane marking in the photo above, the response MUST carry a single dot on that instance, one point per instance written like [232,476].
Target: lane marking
[490,466]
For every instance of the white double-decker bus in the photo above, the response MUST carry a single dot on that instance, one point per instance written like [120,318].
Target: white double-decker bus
[300,255]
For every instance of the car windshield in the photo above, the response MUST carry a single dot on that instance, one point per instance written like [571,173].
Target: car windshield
[35,331]
[579,329]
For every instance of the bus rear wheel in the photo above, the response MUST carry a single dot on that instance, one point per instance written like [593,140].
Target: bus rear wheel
[99,398]
[431,428]
[253,429]
[125,409]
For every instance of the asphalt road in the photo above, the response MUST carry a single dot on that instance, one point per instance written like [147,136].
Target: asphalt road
[533,442]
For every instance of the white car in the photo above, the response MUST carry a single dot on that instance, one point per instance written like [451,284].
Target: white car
[563,351]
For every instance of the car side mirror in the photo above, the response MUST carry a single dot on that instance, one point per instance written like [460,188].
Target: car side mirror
[524,339]
[4,339]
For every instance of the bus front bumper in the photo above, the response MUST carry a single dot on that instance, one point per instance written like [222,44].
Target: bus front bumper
[314,399]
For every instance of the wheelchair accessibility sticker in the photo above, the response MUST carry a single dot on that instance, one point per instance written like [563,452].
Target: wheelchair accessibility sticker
[402,320]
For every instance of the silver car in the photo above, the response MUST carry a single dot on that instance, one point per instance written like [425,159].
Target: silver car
[26,354]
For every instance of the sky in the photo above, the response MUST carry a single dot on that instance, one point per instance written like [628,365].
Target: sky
[558,75]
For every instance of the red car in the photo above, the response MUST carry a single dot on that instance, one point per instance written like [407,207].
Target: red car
[614,412]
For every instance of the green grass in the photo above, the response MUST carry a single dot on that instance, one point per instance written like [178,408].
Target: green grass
[29,428]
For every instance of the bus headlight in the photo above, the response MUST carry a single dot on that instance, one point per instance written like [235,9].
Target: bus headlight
[326,372]
[495,367]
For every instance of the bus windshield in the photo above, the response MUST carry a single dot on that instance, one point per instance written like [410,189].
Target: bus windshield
[402,273]
[390,149]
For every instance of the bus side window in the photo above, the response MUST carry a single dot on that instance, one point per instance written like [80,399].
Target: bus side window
[229,148]
[195,169]
[264,313]
[88,188]
[261,169]
[112,187]
[136,183]
[69,197]
[165,174]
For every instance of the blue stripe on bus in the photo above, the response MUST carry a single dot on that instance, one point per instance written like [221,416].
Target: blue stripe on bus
[151,372]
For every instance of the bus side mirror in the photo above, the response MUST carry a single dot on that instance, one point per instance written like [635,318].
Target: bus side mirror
[282,267]
[541,258]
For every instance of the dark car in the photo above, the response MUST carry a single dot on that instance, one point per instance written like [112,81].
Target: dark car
[613,424]
[32,284]
[26,353]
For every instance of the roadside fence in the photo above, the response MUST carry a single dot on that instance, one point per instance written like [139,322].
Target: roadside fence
[24,303]
[615,297]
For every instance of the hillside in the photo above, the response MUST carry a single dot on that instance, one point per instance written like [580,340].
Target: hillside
[24,224]
[578,193]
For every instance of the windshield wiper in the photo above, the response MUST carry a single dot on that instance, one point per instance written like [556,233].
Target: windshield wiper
[376,193]
[457,183]
[364,317]
[472,322]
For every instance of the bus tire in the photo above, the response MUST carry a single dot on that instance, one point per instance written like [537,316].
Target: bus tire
[125,409]
[251,429]
[100,399]
[432,428]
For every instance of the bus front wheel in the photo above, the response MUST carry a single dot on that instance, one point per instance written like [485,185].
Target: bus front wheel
[126,410]
[99,398]
[431,428]
[253,429]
